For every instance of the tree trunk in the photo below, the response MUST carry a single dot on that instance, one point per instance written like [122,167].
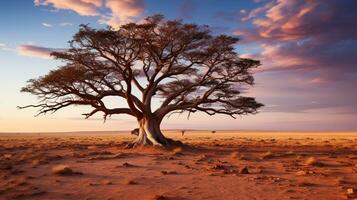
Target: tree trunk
[149,133]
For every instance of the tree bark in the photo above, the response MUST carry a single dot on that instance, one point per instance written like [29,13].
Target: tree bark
[150,133]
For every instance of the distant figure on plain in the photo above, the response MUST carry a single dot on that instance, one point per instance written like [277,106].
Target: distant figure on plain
[183,132]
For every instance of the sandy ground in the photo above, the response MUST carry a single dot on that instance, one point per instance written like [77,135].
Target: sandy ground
[221,165]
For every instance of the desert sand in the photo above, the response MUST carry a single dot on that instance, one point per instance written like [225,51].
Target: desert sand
[220,165]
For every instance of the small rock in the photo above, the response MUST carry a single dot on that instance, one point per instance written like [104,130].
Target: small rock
[127,165]
[64,170]
[35,162]
[7,156]
[300,173]
[217,166]
[312,161]
[168,172]
[107,182]
[159,197]
[267,155]
[244,170]
[92,147]
[350,191]
[130,182]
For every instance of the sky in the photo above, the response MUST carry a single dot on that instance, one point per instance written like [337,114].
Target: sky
[308,50]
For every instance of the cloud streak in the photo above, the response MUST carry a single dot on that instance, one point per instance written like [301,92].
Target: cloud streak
[47,25]
[4,47]
[35,51]
[66,24]
[82,7]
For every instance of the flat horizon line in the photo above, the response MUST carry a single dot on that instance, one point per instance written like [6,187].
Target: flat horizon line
[195,130]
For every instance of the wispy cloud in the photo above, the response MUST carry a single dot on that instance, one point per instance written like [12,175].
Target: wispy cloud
[66,24]
[4,47]
[35,51]
[46,25]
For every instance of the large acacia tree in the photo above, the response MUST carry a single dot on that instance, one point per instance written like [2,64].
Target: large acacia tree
[184,65]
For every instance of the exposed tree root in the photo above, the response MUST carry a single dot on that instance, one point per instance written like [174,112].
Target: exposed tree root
[168,143]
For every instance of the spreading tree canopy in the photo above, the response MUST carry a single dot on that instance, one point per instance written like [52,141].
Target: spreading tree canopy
[184,65]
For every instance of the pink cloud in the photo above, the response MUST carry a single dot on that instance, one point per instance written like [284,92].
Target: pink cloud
[82,7]
[35,51]
[305,35]
[121,11]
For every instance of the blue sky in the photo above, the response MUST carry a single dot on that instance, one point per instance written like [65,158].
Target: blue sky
[307,80]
